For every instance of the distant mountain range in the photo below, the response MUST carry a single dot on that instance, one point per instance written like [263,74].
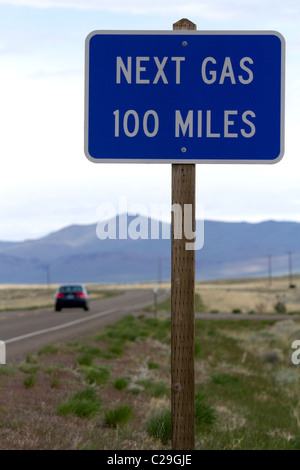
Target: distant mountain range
[76,254]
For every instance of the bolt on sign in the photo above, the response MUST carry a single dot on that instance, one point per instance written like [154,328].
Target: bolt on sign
[184,96]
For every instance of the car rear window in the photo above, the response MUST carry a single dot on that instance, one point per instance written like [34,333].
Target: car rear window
[70,289]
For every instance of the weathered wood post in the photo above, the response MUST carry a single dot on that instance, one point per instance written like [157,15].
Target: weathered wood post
[183,305]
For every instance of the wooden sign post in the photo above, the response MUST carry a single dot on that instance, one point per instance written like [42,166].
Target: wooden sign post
[130,73]
[183,306]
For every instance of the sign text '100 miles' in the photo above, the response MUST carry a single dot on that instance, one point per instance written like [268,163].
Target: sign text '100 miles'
[193,123]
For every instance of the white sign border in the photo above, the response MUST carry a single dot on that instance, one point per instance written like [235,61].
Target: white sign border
[184,33]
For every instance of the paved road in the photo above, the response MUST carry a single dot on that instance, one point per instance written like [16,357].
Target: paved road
[27,331]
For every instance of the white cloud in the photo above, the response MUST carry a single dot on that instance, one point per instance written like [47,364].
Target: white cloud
[46,180]
[206,9]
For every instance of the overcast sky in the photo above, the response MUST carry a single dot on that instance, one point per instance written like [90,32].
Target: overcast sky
[46,180]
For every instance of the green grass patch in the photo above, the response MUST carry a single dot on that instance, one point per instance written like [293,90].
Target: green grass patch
[96,374]
[159,426]
[84,404]
[165,306]
[7,370]
[244,397]
[49,349]
[73,342]
[29,368]
[32,359]
[131,329]
[118,416]
[90,349]
[127,329]
[198,349]
[154,389]
[53,369]
[152,365]
[221,378]
[55,381]
[30,381]
[85,359]
[121,383]
[116,338]
[114,349]
[134,390]
[205,414]
[257,399]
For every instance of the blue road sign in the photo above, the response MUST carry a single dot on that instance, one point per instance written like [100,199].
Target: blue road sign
[184,96]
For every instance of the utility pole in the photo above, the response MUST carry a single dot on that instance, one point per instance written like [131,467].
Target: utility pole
[159,275]
[155,299]
[270,269]
[48,276]
[291,285]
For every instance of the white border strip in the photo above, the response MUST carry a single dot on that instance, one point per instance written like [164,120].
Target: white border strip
[2,353]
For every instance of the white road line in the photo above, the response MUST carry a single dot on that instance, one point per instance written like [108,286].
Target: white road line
[59,327]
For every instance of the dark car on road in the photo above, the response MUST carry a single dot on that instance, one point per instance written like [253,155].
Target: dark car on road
[71,296]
